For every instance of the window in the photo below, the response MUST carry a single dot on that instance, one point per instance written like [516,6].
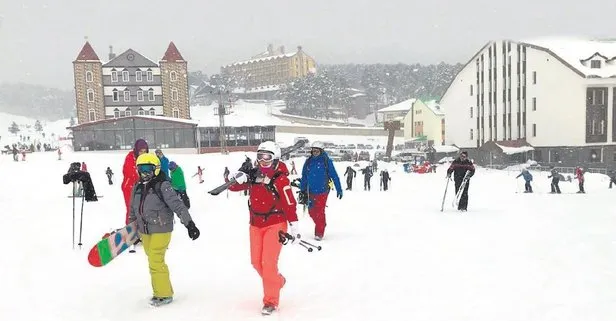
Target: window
[471,90]
[152,112]
[89,77]
[126,94]
[534,77]
[471,111]
[90,95]
[534,130]
[173,76]
[141,112]
[595,156]
[91,115]
[151,94]
[614,157]
[174,94]
[602,129]
[534,103]
[139,76]
[176,113]
[140,95]
[116,95]
[125,75]
[114,75]
[116,113]
[127,113]
[595,64]
[472,134]
[150,75]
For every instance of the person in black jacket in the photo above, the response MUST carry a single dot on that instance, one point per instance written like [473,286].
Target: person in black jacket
[385,179]
[367,176]
[350,175]
[556,177]
[459,167]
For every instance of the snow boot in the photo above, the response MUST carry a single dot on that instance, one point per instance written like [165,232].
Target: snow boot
[156,302]
[268,309]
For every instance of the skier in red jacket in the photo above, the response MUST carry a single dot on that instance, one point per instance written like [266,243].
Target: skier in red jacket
[129,170]
[579,174]
[271,205]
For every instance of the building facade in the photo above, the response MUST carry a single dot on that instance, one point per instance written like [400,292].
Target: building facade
[130,84]
[270,69]
[557,96]
[425,121]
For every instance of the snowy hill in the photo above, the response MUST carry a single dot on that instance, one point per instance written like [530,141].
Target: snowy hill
[386,255]
[52,129]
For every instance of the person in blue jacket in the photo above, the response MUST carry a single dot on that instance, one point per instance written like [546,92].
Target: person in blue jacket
[528,177]
[164,163]
[317,174]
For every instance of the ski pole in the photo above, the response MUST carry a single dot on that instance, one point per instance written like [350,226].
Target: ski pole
[83,197]
[318,247]
[74,214]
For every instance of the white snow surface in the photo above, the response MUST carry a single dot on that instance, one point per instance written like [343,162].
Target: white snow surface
[58,128]
[401,106]
[386,256]
[515,150]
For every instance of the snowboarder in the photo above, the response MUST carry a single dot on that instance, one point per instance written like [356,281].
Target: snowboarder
[612,175]
[200,174]
[555,176]
[271,205]
[152,207]
[459,167]
[350,174]
[178,183]
[317,175]
[367,176]
[109,174]
[164,162]
[129,171]
[385,179]
[579,174]
[528,177]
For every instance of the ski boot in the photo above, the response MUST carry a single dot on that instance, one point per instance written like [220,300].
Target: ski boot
[156,302]
[268,309]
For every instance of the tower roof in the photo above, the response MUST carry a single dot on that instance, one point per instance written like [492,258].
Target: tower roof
[87,53]
[172,54]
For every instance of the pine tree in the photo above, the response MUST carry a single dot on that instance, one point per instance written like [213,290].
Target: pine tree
[37,126]
[14,129]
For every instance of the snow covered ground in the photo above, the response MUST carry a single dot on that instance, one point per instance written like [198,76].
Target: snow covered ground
[26,126]
[387,255]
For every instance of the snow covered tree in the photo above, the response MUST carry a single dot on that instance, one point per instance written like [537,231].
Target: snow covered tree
[14,129]
[37,126]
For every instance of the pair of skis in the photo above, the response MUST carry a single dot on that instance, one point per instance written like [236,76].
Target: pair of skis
[456,201]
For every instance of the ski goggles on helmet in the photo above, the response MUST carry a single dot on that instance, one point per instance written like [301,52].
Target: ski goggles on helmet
[265,156]
[146,168]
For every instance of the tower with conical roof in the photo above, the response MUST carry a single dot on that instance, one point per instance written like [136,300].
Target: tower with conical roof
[88,73]
[174,76]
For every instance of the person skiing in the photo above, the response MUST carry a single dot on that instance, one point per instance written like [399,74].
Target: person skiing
[293,170]
[164,162]
[350,174]
[579,174]
[129,171]
[200,174]
[109,174]
[178,183]
[271,205]
[367,176]
[315,184]
[459,167]
[555,176]
[528,177]
[385,179]
[152,207]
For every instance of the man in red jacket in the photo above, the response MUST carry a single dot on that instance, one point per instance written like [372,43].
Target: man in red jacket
[129,170]
[271,206]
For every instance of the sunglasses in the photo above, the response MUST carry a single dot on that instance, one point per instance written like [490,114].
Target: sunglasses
[146,168]
[266,157]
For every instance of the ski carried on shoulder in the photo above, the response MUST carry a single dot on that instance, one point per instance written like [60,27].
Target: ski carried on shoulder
[225,186]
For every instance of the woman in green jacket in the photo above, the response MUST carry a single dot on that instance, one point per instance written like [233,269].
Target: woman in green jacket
[178,183]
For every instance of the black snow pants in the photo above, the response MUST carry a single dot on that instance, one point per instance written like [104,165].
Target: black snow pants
[464,197]
[554,186]
[528,187]
[385,185]
[366,184]
[349,183]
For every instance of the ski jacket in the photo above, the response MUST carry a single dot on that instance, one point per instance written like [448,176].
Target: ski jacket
[317,172]
[350,172]
[129,170]
[527,176]
[385,176]
[271,199]
[579,174]
[164,166]
[153,214]
[178,182]
[459,167]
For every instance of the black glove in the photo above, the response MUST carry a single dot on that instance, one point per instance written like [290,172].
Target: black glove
[193,231]
[302,198]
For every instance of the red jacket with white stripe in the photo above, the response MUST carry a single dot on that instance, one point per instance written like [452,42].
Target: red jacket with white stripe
[271,198]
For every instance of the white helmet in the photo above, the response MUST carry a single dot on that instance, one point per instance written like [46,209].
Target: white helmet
[270,147]
[319,145]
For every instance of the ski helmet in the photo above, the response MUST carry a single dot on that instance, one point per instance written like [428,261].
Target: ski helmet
[148,166]
[318,145]
[269,147]
[172,165]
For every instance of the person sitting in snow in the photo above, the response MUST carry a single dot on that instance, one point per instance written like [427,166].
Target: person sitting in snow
[528,177]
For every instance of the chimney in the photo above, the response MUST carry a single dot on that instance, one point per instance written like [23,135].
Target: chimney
[282,50]
[270,49]
[111,54]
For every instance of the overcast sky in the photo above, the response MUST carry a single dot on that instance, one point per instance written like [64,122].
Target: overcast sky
[39,39]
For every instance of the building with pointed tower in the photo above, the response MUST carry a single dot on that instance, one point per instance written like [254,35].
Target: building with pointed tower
[88,73]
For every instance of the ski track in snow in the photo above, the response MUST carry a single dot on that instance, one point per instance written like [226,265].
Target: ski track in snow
[387,255]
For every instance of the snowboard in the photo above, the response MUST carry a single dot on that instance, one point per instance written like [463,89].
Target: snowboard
[113,245]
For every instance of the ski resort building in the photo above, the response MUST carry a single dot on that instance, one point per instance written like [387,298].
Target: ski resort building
[550,100]
[421,121]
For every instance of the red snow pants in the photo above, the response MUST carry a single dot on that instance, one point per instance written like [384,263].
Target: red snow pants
[127,190]
[317,213]
[264,253]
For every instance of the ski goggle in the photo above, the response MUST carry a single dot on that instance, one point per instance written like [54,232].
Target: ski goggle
[146,168]
[265,157]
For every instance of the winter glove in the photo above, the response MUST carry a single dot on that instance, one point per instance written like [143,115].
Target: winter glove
[339,194]
[193,231]
[294,231]
[240,177]
[302,198]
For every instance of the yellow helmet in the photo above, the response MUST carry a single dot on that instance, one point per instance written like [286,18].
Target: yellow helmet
[149,159]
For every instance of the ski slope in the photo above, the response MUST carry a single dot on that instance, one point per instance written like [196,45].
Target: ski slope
[386,256]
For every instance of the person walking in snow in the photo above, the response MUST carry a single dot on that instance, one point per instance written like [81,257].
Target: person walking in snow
[129,172]
[612,176]
[109,174]
[152,207]
[164,162]
[528,177]
[367,177]
[555,176]
[385,179]
[178,183]
[350,174]
[226,173]
[579,174]
[458,168]
[272,208]
[317,175]
[59,153]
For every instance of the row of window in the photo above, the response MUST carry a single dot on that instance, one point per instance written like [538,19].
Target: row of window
[126,95]
[175,113]
[173,76]
[534,107]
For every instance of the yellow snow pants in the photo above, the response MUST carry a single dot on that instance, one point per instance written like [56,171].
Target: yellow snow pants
[155,245]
